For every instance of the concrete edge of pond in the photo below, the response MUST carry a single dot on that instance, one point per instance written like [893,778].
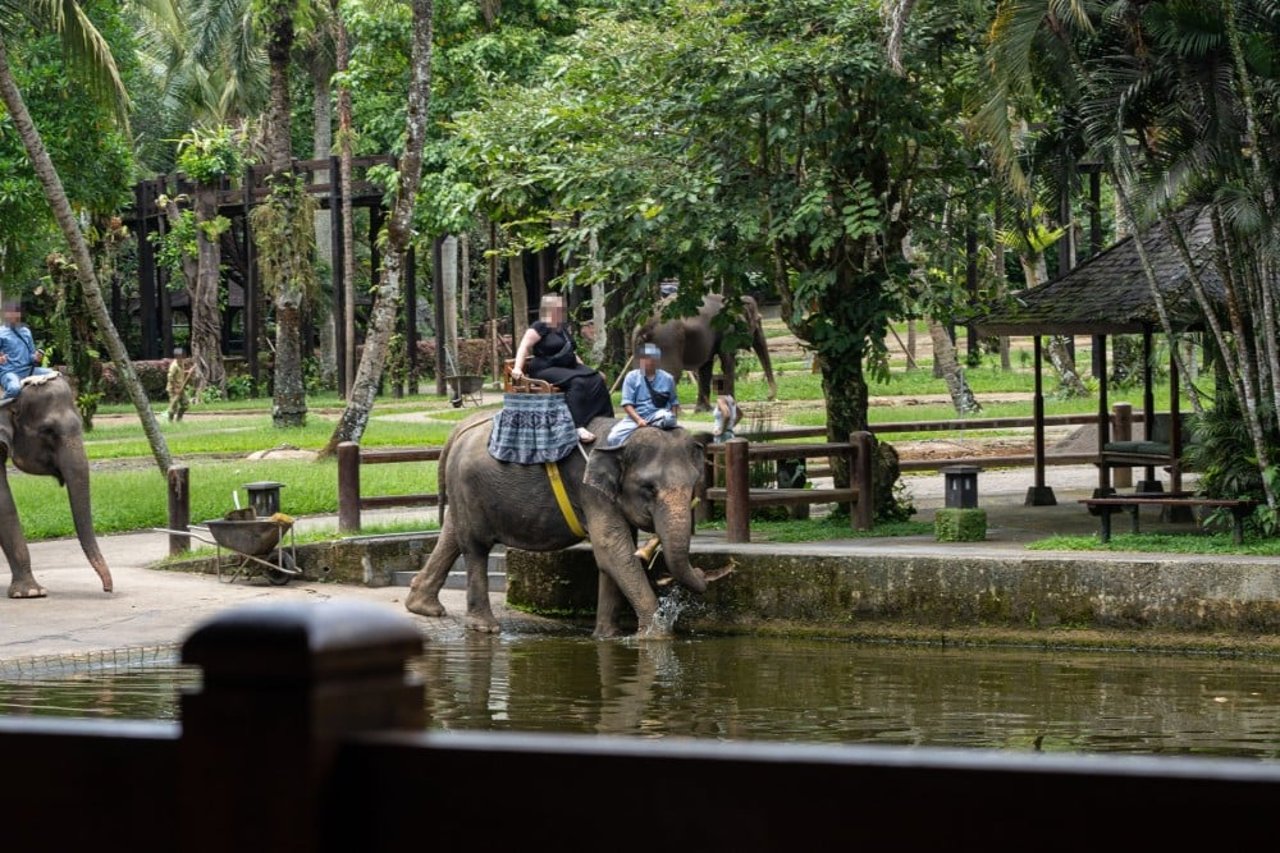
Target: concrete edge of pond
[886,590]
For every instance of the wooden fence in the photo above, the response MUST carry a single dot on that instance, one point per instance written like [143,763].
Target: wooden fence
[351,501]
[739,498]
[351,457]
[309,733]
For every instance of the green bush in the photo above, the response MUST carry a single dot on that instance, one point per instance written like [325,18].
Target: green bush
[960,525]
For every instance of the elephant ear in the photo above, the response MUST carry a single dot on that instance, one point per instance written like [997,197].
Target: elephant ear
[604,470]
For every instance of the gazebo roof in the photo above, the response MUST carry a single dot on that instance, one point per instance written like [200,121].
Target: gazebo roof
[1109,292]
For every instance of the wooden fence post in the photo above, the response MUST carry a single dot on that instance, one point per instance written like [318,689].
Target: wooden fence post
[179,509]
[282,685]
[862,477]
[737,484]
[1122,420]
[349,487]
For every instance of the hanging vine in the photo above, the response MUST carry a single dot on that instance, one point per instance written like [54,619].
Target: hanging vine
[283,229]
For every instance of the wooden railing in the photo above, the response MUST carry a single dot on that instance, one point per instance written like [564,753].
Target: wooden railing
[351,502]
[762,444]
[308,733]
[736,456]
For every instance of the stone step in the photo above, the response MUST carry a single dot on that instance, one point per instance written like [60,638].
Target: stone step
[457,577]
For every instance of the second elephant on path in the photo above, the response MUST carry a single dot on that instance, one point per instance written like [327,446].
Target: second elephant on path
[694,343]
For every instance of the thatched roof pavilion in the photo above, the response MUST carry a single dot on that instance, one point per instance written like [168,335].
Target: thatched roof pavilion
[1110,294]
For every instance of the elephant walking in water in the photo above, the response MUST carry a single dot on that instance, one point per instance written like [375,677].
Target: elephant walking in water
[694,343]
[646,483]
[42,433]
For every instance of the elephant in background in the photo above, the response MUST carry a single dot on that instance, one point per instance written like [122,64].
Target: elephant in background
[694,343]
[42,433]
[646,483]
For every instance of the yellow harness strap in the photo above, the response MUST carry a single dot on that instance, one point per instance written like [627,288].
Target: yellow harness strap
[562,500]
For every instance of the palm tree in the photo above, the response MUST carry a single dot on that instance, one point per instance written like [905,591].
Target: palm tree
[87,49]
[1165,98]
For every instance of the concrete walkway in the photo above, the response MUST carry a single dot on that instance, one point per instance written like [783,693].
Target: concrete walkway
[154,608]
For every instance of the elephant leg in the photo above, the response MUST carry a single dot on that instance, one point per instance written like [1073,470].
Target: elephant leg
[622,577]
[479,612]
[704,386]
[609,601]
[424,589]
[14,544]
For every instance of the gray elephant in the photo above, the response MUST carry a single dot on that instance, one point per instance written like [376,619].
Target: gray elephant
[694,343]
[647,483]
[42,432]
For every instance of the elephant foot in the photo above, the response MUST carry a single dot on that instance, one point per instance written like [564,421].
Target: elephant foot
[424,605]
[655,632]
[606,632]
[482,623]
[26,589]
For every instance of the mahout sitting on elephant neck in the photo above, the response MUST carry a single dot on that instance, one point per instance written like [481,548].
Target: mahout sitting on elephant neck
[646,484]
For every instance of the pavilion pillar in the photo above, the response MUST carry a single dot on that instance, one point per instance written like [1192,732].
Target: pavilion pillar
[1104,413]
[1175,422]
[1039,494]
[1148,483]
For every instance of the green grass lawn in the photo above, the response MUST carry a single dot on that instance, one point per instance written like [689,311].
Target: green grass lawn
[1209,544]
[135,498]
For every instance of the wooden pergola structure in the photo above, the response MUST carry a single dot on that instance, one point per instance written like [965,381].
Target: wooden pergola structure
[156,303]
[1110,294]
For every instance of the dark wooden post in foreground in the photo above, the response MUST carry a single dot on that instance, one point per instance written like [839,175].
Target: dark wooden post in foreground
[737,484]
[348,487]
[862,477]
[179,509]
[283,684]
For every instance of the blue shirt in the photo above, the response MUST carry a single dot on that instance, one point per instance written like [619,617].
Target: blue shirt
[635,392]
[19,348]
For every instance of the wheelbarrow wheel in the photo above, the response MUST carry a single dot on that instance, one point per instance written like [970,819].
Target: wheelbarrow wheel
[279,577]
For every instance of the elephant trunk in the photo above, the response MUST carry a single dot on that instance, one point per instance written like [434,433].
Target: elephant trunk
[73,467]
[672,521]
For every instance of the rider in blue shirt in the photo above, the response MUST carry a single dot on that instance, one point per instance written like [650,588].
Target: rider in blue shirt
[648,397]
[19,357]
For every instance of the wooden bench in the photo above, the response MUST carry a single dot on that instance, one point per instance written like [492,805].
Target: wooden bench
[1105,507]
[1155,453]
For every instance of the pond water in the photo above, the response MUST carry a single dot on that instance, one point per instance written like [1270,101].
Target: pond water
[751,688]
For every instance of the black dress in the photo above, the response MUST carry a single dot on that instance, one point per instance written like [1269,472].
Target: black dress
[554,359]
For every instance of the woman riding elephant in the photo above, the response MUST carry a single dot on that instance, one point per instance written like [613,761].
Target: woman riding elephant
[548,352]
[648,483]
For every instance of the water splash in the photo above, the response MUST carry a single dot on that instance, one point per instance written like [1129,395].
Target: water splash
[676,602]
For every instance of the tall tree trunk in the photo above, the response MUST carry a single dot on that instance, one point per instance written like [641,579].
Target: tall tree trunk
[519,298]
[464,282]
[944,356]
[321,147]
[355,418]
[346,143]
[206,313]
[289,406]
[599,310]
[449,301]
[911,344]
[56,196]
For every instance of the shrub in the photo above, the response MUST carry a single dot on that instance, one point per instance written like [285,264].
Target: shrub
[153,374]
